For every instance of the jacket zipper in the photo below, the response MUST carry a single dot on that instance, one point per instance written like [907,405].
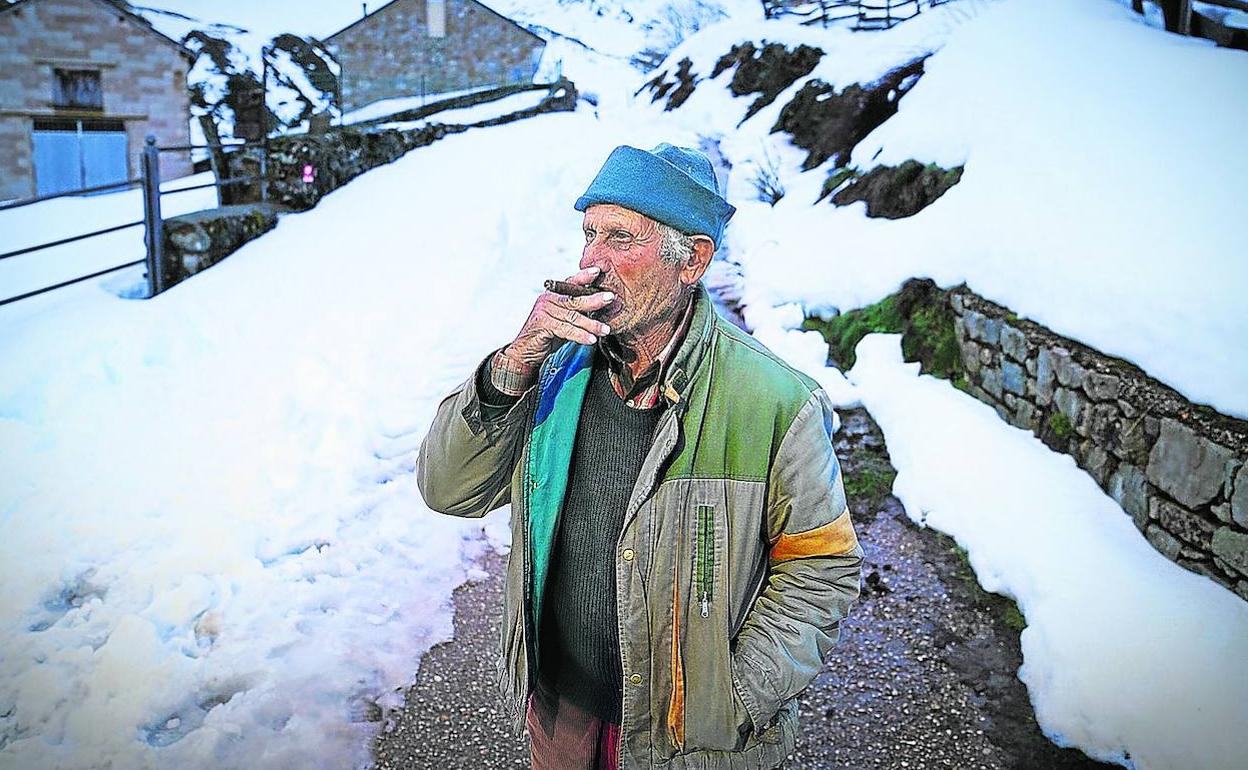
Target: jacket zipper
[706,557]
[530,641]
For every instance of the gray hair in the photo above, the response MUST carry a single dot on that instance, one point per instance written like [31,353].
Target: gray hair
[675,247]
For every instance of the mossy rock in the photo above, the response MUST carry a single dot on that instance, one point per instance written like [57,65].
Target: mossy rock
[894,192]
[836,179]
[919,311]
[1060,425]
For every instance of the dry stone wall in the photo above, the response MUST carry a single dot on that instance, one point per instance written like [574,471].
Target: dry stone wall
[199,240]
[1179,469]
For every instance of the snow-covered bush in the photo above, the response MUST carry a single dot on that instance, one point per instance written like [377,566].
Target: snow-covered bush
[766,178]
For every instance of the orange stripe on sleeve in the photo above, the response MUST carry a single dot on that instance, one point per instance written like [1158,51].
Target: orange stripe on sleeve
[832,539]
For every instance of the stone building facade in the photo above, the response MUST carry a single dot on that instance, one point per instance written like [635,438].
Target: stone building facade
[1179,469]
[415,47]
[84,81]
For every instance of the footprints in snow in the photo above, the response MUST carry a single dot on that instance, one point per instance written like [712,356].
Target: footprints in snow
[191,713]
[67,598]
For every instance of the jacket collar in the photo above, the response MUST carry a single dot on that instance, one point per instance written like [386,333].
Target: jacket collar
[692,351]
[646,390]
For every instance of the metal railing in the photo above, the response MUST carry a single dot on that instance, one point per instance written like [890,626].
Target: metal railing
[154,240]
[884,14]
[866,14]
[155,236]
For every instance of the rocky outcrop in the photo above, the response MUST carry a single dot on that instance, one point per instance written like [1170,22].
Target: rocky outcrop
[894,192]
[824,122]
[677,90]
[828,124]
[766,72]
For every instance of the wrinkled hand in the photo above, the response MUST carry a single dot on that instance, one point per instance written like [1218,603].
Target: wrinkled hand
[553,320]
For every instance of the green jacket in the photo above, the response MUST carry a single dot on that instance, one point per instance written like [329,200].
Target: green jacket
[737,560]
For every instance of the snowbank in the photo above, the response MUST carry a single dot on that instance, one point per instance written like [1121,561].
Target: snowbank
[212,546]
[1127,655]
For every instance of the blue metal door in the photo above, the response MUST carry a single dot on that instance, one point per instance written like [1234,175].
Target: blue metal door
[103,157]
[58,162]
[72,154]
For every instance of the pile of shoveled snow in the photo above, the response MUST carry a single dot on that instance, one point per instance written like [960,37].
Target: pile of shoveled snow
[1127,655]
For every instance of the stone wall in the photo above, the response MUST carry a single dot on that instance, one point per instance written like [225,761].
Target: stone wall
[390,53]
[199,240]
[142,73]
[455,103]
[196,241]
[337,157]
[1179,469]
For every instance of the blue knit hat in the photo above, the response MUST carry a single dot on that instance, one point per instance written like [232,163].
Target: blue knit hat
[672,185]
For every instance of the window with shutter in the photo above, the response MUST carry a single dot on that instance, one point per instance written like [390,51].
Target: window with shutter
[77,89]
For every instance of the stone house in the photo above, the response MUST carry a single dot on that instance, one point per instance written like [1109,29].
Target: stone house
[84,81]
[415,47]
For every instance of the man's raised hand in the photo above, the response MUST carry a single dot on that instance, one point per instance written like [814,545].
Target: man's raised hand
[554,319]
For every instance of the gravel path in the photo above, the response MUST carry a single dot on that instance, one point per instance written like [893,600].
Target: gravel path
[452,719]
[923,677]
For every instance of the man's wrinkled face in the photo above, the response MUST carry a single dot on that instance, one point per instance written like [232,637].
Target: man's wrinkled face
[625,245]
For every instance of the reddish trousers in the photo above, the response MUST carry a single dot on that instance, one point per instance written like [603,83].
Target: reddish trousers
[563,736]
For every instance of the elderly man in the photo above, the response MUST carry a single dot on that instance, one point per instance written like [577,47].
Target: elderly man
[682,553]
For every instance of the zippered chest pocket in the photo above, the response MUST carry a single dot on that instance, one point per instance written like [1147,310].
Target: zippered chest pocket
[704,559]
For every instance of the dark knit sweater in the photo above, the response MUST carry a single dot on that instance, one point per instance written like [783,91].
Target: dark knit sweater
[580,655]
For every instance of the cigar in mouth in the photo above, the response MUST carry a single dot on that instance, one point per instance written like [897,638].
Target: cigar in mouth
[570,289]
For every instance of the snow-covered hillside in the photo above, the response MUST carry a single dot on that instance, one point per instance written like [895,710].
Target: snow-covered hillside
[1103,194]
